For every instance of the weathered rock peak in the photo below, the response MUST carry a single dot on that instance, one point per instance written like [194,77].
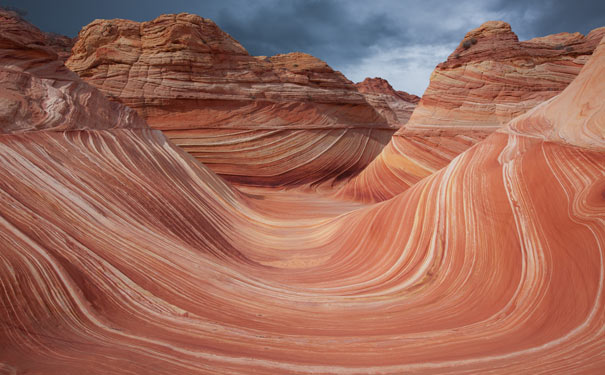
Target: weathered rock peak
[192,80]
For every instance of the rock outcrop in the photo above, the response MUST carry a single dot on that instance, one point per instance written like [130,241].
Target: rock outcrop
[489,79]
[61,44]
[395,106]
[497,78]
[282,120]
[40,93]
[121,254]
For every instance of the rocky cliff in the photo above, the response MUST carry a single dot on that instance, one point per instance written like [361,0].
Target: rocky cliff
[282,120]
[395,106]
[489,79]
[40,93]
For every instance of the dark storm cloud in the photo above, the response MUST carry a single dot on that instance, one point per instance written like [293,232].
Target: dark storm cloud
[538,18]
[329,30]
[398,40]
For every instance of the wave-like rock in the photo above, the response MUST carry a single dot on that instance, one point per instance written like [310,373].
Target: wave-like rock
[395,106]
[488,80]
[281,120]
[119,253]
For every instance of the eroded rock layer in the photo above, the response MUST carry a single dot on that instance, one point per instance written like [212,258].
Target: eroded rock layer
[395,106]
[488,80]
[121,254]
[286,120]
[40,93]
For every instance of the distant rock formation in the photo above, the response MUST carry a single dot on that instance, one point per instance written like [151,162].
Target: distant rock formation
[61,44]
[284,120]
[395,106]
[489,79]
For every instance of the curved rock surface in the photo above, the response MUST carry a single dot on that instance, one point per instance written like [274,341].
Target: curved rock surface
[488,80]
[282,120]
[395,106]
[119,253]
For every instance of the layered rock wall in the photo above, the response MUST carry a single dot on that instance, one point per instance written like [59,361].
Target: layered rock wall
[40,93]
[395,106]
[489,79]
[282,120]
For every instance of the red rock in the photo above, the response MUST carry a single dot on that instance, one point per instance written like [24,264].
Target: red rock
[61,44]
[576,117]
[40,93]
[488,80]
[408,97]
[282,120]
[395,106]
[120,254]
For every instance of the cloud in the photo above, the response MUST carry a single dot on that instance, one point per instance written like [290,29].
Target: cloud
[406,68]
[530,19]
[389,38]
[327,29]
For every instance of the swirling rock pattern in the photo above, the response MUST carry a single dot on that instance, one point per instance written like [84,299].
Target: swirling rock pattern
[282,120]
[395,106]
[487,81]
[119,253]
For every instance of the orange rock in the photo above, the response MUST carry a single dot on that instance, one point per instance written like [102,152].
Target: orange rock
[121,254]
[395,106]
[40,93]
[576,117]
[282,120]
[488,80]
[61,44]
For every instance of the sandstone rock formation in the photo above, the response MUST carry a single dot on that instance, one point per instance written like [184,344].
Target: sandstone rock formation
[121,254]
[40,93]
[282,120]
[488,80]
[395,106]
[61,44]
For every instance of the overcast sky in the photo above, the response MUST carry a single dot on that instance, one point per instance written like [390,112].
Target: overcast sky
[401,41]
